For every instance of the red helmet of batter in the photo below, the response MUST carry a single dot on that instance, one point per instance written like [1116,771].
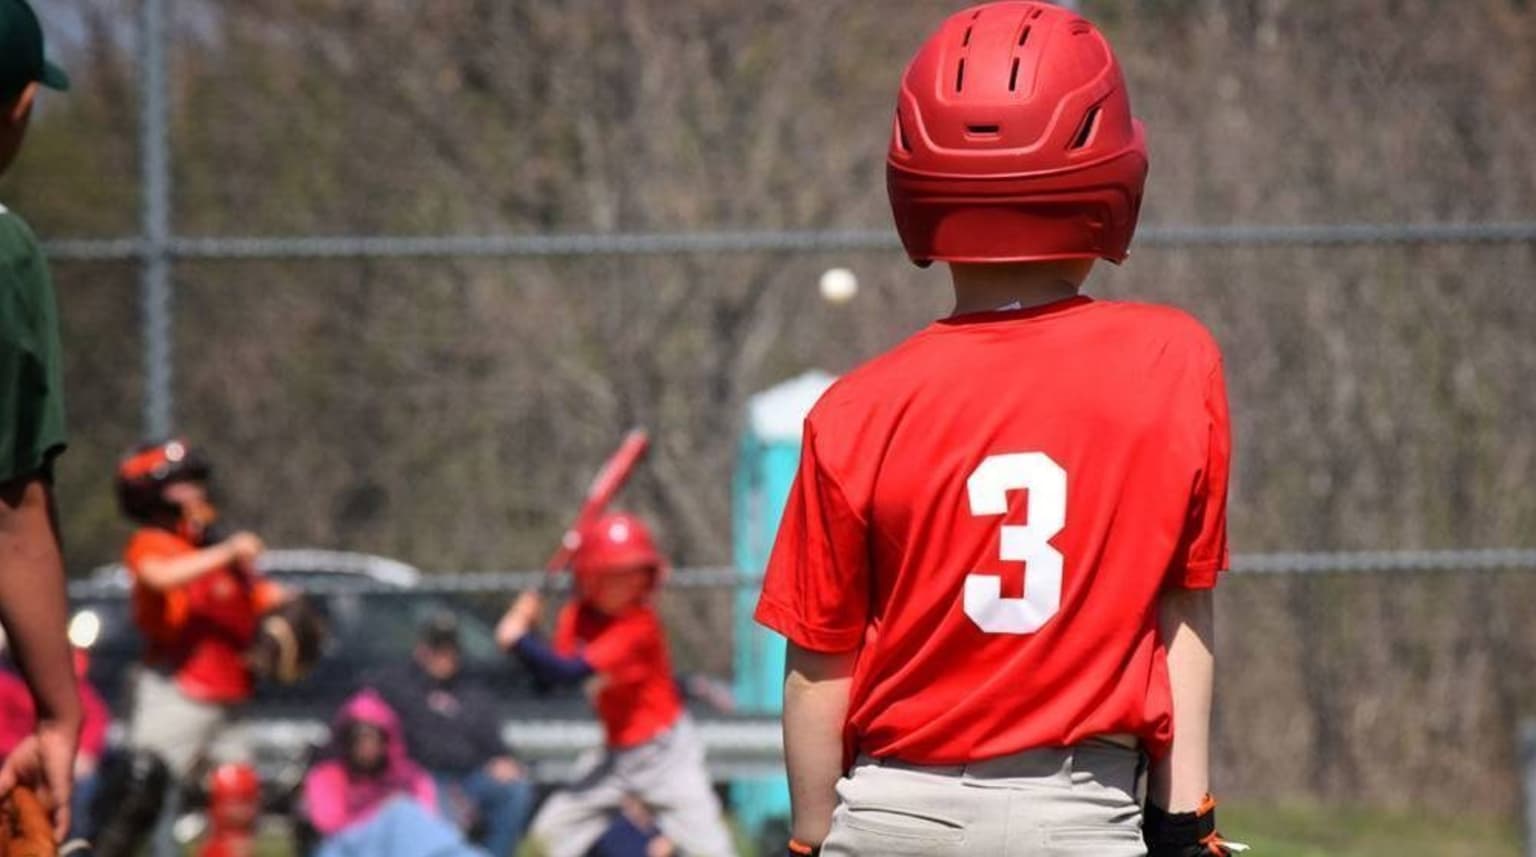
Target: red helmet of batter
[617,541]
[1014,141]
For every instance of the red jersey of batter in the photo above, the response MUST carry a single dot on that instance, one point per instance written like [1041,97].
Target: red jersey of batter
[990,512]
[200,629]
[639,698]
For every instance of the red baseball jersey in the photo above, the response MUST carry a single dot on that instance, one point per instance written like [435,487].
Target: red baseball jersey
[639,698]
[990,511]
[202,628]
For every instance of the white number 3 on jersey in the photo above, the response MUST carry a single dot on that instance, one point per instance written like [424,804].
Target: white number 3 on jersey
[1045,515]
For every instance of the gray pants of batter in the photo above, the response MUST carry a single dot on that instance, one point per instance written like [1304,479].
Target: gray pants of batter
[667,774]
[1059,802]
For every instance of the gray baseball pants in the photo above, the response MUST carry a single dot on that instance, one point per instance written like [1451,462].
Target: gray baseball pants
[1059,802]
[667,774]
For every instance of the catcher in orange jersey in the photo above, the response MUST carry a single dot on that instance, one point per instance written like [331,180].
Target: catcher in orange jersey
[198,602]
[995,567]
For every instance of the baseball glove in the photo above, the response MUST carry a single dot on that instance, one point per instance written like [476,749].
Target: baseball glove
[288,641]
[25,828]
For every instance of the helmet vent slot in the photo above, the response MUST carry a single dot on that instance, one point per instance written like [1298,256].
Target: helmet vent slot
[983,130]
[1023,37]
[960,75]
[1013,76]
[966,42]
[1037,13]
[901,133]
[1086,132]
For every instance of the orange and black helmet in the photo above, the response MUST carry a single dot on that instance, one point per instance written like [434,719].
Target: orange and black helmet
[143,474]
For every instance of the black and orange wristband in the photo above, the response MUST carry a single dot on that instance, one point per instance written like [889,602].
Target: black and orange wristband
[1182,833]
[800,849]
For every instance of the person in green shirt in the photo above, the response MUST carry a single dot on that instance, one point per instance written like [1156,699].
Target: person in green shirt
[33,604]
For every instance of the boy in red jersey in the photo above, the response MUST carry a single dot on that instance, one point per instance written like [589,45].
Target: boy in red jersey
[610,637]
[197,599]
[994,569]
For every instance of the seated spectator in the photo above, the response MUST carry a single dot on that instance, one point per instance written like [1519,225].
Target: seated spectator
[452,729]
[18,718]
[369,787]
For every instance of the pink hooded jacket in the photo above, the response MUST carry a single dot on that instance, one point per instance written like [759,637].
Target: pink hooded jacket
[338,799]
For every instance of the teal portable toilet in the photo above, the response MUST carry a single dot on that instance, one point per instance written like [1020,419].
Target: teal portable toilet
[766,464]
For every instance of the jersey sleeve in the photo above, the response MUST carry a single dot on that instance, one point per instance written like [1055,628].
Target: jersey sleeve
[816,587]
[151,543]
[1203,554]
[31,377]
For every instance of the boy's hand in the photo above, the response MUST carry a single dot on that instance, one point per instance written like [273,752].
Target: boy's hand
[1186,834]
[529,606]
[246,546]
[44,762]
[519,619]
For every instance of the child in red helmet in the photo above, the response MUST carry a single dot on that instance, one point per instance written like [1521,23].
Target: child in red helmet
[234,806]
[994,568]
[610,638]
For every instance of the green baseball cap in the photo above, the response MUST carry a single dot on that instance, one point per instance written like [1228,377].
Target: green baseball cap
[22,60]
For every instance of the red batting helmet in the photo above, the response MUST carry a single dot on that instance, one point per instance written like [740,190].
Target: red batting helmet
[1014,141]
[613,542]
[233,781]
[234,796]
[142,475]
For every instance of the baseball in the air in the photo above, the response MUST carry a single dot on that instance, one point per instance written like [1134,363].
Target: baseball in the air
[839,285]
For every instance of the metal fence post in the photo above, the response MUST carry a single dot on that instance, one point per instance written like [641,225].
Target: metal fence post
[1528,779]
[155,219]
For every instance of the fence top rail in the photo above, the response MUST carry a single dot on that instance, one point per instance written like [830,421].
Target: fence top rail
[722,241]
[111,581]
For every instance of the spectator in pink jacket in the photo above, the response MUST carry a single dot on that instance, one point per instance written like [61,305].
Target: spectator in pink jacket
[369,767]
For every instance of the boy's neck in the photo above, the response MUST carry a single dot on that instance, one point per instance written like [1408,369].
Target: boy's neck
[1019,285]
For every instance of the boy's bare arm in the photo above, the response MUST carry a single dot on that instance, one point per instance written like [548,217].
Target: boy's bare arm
[171,572]
[1186,620]
[34,610]
[815,705]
